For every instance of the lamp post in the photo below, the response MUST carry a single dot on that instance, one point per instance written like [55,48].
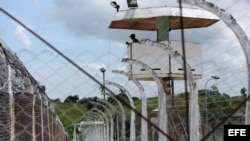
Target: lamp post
[103,86]
[215,78]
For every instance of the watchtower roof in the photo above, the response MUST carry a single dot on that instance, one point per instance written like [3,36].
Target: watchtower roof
[145,18]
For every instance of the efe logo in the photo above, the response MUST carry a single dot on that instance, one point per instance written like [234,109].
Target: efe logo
[236,132]
[241,132]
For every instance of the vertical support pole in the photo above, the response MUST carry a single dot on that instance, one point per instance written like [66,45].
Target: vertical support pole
[167,85]
[123,119]
[132,118]
[12,114]
[162,119]
[41,113]
[33,118]
[144,124]
[109,134]
[161,99]
[74,133]
[112,132]
[103,85]
[115,131]
[162,24]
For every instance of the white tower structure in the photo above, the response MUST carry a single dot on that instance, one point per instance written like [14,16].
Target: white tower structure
[163,20]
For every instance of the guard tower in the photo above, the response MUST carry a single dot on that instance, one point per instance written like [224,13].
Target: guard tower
[163,20]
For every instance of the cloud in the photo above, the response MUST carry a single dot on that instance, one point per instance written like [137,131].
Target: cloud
[88,18]
[95,66]
[83,18]
[22,36]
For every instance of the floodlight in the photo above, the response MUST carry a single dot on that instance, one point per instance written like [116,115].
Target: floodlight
[102,70]
[115,5]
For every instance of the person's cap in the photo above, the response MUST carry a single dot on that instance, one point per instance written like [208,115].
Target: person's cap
[132,35]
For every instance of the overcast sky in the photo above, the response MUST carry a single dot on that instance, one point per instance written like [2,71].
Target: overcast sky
[80,28]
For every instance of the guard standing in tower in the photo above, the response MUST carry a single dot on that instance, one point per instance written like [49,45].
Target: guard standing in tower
[132,36]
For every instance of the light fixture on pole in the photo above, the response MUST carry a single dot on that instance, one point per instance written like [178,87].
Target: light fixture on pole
[132,3]
[115,5]
[103,87]
[206,118]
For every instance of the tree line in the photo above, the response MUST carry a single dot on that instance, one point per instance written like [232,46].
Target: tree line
[87,100]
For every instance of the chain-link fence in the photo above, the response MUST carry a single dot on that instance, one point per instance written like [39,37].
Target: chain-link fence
[26,110]
[58,93]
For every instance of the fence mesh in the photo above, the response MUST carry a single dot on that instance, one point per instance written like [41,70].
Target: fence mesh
[26,110]
[44,97]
